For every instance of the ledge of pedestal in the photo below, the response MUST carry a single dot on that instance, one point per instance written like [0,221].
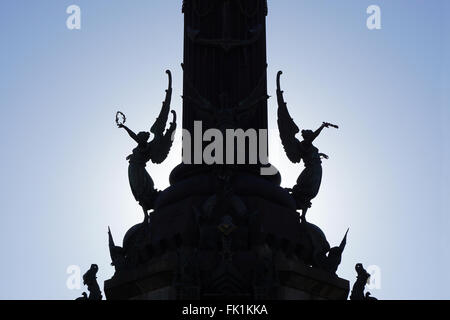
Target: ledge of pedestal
[301,282]
[155,281]
[147,281]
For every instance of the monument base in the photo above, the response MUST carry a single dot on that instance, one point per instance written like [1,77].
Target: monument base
[156,281]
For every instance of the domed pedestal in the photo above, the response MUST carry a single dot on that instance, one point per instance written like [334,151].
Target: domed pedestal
[225,235]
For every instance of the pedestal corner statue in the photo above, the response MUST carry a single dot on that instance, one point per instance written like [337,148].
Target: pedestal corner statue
[223,230]
[156,150]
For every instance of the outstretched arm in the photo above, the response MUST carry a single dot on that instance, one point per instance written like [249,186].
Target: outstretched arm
[130,132]
[317,133]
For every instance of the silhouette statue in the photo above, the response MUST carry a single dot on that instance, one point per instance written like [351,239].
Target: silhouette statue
[84,296]
[117,253]
[334,257]
[308,183]
[318,252]
[90,280]
[157,150]
[360,283]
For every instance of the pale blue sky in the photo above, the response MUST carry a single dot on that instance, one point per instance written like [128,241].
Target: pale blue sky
[63,169]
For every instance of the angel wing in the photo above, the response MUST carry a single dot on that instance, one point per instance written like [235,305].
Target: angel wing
[287,127]
[161,144]
[160,124]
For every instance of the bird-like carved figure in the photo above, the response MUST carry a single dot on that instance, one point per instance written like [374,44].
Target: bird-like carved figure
[90,280]
[359,286]
[117,253]
[156,150]
[84,296]
[334,257]
[308,183]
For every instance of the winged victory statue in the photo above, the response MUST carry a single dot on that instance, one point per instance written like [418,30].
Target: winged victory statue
[142,185]
[308,183]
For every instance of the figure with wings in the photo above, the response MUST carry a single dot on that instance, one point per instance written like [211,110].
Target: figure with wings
[156,150]
[308,183]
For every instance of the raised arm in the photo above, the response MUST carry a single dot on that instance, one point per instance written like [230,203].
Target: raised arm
[317,133]
[130,132]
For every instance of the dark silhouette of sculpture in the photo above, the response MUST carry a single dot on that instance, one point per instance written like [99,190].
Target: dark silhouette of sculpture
[308,183]
[358,287]
[315,240]
[369,297]
[90,280]
[117,253]
[220,214]
[331,262]
[225,231]
[156,150]
[320,254]
[84,296]
[224,201]
[128,256]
